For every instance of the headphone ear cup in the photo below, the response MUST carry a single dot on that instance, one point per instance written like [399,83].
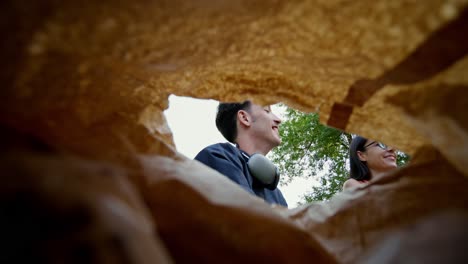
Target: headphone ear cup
[264,171]
[276,180]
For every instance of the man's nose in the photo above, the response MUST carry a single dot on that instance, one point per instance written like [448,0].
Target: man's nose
[276,119]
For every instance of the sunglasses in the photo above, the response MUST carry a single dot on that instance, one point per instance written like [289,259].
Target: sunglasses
[379,144]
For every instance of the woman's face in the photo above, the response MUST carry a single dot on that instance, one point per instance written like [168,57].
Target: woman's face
[379,157]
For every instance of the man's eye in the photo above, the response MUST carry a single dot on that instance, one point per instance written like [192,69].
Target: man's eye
[266,110]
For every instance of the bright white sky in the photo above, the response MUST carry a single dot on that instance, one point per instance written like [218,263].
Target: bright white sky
[192,122]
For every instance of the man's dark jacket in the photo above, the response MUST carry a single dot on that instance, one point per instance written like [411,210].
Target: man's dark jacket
[229,161]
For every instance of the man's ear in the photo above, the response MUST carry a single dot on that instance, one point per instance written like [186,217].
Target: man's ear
[243,117]
[362,155]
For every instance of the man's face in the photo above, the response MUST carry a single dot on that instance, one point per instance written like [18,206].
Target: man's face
[265,125]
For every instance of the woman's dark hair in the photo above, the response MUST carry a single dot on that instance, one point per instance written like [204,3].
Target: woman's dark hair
[359,169]
[226,118]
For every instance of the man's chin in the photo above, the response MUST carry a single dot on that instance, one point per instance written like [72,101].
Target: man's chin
[278,142]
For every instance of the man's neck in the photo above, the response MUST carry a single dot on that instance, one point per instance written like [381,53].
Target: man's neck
[250,147]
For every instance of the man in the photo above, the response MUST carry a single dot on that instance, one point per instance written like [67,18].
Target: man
[253,129]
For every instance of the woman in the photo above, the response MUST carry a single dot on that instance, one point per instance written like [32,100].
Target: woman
[369,160]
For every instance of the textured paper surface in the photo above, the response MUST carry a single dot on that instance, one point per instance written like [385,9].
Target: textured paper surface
[91,80]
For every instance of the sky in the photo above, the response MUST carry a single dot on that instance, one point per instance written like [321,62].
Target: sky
[192,122]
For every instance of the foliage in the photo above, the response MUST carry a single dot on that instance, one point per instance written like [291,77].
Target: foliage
[310,149]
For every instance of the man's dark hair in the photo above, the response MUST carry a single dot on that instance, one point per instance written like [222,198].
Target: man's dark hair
[226,118]
[359,169]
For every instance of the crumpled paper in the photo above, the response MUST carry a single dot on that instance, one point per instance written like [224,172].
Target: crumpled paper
[92,80]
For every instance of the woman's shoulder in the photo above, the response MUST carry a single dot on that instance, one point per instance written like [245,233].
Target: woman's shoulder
[349,183]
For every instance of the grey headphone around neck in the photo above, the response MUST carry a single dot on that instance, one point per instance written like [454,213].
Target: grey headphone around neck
[263,170]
